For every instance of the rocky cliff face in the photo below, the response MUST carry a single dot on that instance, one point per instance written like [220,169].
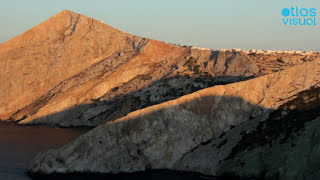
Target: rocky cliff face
[72,70]
[36,61]
[161,106]
[286,146]
[80,72]
[125,82]
[197,132]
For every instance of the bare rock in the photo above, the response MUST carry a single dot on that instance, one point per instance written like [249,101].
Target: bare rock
[127,75]
[36,61]
[169,135]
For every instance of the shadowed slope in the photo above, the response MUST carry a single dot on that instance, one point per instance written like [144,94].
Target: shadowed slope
[286,146]
[71,60]
[163,136]
[36,63]
[133,82]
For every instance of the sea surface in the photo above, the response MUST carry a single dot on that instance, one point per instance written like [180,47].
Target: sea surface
[20,144]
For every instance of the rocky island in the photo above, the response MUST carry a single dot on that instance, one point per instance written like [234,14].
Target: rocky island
[154,105]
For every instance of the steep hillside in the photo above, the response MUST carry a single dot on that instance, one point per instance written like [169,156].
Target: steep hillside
[100,94]
[243,113]
[198,132]
[72,70]
[36,61]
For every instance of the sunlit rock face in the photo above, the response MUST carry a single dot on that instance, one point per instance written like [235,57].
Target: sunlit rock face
[198,132]
[123,83]
[162,106]
[36,61]
[72,70]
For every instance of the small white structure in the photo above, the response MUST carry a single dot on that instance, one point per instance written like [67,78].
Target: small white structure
[245,51]
[258,51]
[200,48]
[236,50]
[306,53]
[222,50]
[269,52]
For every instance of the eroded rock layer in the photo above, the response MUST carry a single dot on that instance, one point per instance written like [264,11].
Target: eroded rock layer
[36,61]
[72,70]
[125,82]
[196,132]
[162,106]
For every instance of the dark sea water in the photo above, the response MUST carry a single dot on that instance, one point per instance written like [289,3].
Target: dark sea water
[20,144]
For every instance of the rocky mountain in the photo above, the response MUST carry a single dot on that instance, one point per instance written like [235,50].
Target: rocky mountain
[201,131]
[54,55]
[123,83]
[154,105]
[72,70]
[36,61]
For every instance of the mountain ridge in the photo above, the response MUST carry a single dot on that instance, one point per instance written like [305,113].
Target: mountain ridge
[47,43]
[153,105]
[194,133]
[50,55]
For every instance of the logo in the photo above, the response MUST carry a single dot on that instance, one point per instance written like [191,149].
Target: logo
[299,17]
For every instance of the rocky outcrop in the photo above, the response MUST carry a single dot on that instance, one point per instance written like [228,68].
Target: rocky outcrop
[197,132]
[298,158]
[72,70]
[270,61]
[286,146]
[162,106]
[274,62]
[130,80]
[36,61]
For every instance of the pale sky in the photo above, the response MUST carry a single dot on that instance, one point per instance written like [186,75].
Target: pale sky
[245,24]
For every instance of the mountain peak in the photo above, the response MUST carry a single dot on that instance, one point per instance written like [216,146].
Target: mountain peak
[67,11]
[67,14]
[56,49]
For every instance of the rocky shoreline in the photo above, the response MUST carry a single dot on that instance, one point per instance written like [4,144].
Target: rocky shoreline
[158,108]
[195,133]
[148,174]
